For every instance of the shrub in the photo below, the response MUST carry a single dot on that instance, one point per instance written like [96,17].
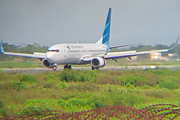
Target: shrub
[63,85]
[15,85]
[99,104]
[159,71]
[168,84]
[18,86]
[27,78]
[32,110]
[146,87]
[154,93]
[3,112]
[68,97]
[133,80]
[47,85]
[77,76]
[76,104]
[69,77]
[1,72]
[83,87]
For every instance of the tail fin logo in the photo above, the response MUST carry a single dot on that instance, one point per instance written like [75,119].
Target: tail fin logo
[1,48]
[106,33]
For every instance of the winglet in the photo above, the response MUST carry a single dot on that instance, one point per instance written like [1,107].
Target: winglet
[1,47]
[175,44]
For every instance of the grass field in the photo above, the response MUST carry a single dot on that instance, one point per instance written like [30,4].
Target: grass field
[75,91]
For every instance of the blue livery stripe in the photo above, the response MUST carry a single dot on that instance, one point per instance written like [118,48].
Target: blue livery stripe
[1,47]
[106,32]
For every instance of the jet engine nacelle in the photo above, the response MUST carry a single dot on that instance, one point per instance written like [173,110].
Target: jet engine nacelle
[46,63]
[98,62]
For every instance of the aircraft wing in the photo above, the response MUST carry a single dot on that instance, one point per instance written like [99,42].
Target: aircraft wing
[34,55]
[114,55]
[129,54]
[111,47]
[41,56]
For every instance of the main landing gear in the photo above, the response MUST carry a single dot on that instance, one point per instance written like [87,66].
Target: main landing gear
[94,68]
[67,66]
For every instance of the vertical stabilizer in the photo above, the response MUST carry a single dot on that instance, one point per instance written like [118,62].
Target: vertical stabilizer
[106,34]
[1,48]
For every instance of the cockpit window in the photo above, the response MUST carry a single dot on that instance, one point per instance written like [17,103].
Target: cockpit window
[53,50]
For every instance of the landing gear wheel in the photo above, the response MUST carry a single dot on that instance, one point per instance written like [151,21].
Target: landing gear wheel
[54,67]
[94,68]
[67,66]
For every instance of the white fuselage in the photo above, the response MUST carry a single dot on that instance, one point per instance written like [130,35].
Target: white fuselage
[74,53]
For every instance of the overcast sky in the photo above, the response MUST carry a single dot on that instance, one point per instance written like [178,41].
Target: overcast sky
[48,22]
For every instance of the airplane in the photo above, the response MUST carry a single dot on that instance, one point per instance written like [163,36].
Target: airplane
[95,54]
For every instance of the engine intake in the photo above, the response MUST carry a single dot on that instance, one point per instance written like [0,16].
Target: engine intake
[46,63]
[98,62]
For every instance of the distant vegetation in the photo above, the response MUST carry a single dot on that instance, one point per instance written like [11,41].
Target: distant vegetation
[75,91]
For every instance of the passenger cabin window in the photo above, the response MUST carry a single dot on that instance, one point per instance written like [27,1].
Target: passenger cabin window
[53,50]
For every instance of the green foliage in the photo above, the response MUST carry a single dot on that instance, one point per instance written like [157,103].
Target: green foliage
[73,90]
[154,93]
[37,106]
[146,87]
[169,84]
[75,104]
[20,64]
[48,85]
[3,111]
[159,71]
[1,73]
[15,85]
[129,85]
[68,97]
[63,85]
[133,80]
[33,110]
[70,76]
[134,100]
[18,86]
[99,104]
[83,87]
[27,78]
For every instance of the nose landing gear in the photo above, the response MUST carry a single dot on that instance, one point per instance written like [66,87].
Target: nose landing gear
[55,67]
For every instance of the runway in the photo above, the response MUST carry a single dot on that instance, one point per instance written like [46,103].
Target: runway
[106,68]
